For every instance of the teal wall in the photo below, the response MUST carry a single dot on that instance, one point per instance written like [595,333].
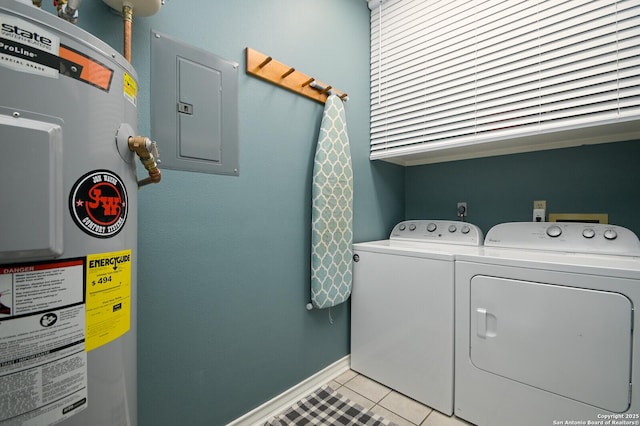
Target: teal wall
[601,178]
[224,261]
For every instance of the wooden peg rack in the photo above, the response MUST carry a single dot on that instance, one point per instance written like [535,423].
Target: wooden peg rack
[267,68]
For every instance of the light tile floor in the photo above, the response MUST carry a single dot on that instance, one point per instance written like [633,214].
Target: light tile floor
[388,403]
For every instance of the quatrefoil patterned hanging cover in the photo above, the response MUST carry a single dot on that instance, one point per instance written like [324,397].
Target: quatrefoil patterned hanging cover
[332,210]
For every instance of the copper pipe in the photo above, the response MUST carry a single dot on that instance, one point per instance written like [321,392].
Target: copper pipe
[127,18]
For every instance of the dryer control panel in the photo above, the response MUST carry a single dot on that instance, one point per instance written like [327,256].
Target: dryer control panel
[565,236]
[444,231]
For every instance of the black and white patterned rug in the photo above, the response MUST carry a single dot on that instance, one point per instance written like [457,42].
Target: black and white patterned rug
[327,407]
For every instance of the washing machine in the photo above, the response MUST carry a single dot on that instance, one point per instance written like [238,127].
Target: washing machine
[402,308]
[545,326]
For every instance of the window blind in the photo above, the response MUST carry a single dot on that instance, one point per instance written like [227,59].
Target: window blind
[467,77]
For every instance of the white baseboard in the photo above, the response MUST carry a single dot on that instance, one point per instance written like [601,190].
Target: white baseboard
[261,414]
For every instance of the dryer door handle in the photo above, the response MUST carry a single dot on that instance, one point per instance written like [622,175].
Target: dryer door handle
[486,323]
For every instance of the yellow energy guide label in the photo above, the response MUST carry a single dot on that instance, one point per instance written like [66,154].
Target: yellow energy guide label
[108,297]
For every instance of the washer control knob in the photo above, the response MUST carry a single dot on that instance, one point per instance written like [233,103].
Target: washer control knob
[588,233]
[610,234]
[554,231]
[452,228]
[431,227]
[465,229]
[402,227]
[412,227]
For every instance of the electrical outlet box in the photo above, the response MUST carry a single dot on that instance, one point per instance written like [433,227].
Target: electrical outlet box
[540,204]
[539,210]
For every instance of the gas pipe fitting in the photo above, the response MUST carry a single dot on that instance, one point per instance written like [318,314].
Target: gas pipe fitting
[147,151]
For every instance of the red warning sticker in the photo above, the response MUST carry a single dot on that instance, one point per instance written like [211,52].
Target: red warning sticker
[79,66]
[98,203]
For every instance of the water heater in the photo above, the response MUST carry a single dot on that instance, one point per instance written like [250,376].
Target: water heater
[68,224]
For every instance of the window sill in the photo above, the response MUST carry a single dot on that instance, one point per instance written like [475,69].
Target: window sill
[442,152]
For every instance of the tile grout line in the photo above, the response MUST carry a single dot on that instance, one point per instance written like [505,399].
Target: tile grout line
[432,413]
[377,403]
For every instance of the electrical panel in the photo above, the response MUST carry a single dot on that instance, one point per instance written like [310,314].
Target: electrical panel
[194,107]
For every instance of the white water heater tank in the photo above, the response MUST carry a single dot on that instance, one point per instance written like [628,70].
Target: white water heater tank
[68,225]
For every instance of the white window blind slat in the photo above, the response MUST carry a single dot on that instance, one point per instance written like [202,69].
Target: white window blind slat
[462,73]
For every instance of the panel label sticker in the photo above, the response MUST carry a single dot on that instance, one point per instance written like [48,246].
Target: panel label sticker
[98,203]
[43,362]
[108,297]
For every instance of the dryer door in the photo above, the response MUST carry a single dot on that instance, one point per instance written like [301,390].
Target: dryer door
[570,341]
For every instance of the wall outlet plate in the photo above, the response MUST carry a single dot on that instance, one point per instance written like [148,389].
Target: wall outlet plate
[540,204]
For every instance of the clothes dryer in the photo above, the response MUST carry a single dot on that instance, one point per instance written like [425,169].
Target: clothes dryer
[545,326]
[402,308]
